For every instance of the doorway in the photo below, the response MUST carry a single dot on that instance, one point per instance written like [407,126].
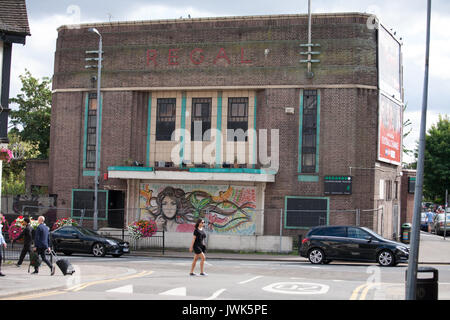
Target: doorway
[116,209]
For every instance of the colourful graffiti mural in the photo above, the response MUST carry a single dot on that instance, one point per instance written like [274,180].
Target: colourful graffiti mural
[226,209]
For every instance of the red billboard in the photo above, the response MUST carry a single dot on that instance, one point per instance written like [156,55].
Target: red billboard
[389,130]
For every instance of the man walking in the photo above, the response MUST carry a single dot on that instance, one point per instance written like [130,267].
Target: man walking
[42,244]
[430,217]
[27,241]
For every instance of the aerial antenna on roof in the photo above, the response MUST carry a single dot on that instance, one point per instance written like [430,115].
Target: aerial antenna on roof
[309,45]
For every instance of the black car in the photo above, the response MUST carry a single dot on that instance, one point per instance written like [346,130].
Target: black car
[70,239]
[326,243]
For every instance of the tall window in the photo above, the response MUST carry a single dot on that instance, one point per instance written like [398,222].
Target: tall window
[165,119]
[237,124]
[201,119]
[309,131]
[91,130]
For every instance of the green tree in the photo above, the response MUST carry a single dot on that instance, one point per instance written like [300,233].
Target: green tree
[13,175]
[436,178]
[31,119]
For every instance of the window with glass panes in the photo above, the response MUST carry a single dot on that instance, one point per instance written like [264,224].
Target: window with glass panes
[309,131]
[165,118]
[91,130]
[201,119]
[237,122]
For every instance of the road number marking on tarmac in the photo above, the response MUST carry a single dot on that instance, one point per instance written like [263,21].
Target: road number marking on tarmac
[297,288]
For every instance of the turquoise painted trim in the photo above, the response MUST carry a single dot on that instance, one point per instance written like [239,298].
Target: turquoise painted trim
[318,131]
[219,130]
[123,168]
[308,178]
[300,136]
[89,173]
[183,127]
[233,170]
[255,142]
[149,127]
[86,108]
[89,218]
[303,197]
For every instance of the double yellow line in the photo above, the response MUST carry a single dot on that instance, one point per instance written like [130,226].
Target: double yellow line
[77,287]
[362,291]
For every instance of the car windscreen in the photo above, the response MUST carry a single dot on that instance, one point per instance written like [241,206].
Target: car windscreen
[87,232]
[330,231]
[372,232]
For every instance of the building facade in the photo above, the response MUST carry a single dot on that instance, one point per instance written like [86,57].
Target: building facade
[218,118]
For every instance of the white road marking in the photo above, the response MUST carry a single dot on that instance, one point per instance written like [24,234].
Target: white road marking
[175,292]
[297,288]
[246,281]
[216,294]
[124,289]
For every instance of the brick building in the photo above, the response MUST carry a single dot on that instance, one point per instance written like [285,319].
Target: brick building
[333,137]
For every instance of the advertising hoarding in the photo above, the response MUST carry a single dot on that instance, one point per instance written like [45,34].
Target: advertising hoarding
[389,130]
[389,64]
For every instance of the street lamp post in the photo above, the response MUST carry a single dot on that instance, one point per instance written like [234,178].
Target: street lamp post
[97,136]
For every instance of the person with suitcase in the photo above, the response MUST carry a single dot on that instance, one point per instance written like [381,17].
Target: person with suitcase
[27,241]
[63,264]
[42,244]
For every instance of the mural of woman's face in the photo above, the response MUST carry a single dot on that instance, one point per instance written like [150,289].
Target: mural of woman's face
[169,207]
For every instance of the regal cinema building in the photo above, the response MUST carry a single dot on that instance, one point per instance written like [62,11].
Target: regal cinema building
[238,120]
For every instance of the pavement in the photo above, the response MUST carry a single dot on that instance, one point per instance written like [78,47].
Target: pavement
[18,283]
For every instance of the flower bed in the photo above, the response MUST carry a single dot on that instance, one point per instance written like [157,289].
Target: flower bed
[64,222]
[142,229]
[16,227]
[6,154]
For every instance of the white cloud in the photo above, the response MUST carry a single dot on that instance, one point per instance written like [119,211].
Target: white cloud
[157,12]
[411,141]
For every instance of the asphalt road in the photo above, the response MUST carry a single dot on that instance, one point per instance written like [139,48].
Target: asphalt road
[144,278]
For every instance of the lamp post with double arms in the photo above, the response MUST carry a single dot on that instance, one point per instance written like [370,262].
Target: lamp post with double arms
[97,136]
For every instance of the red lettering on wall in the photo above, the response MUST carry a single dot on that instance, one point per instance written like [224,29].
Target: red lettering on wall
[242,58]
[200,54]
[173,57]
[152,57]
[221,55]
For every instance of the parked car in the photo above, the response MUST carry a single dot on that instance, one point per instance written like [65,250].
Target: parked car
[70,239]
[439,224]
[327,243]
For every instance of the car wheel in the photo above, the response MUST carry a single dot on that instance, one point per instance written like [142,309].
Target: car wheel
[316,256]
[98,250]
[386,258]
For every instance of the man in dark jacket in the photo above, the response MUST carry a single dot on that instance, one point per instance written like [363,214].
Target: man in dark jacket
[42,243]
[27,241]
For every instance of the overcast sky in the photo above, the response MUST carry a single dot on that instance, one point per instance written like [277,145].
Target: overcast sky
[408,18]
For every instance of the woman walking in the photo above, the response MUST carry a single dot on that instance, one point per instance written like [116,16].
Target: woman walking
[198,245]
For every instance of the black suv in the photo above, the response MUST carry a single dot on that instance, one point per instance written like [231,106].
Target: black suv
[326,243]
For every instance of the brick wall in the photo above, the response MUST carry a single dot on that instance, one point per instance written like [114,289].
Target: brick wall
[220,55]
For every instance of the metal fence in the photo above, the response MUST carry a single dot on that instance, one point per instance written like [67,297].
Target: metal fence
[155,242]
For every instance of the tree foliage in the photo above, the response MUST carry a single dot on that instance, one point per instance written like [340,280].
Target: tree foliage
[437,160]
[31,119]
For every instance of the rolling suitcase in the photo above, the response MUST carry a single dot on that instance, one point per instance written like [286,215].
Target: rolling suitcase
[63,264]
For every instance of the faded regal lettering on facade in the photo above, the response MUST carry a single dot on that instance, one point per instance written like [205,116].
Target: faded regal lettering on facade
[196,56]
[225,209]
